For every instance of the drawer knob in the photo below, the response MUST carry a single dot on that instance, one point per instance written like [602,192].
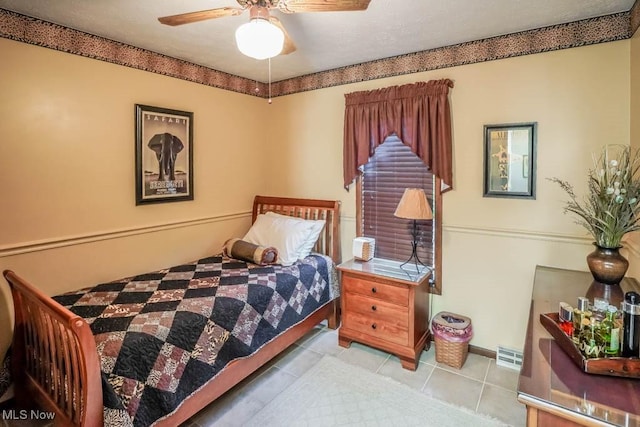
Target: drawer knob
[374,290]
[373,326]
[374,308]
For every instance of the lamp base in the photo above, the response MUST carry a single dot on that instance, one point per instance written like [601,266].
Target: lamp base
[414,250]
[415,260]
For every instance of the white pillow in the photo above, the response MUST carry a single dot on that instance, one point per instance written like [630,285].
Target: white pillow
[286,234]
[314,233]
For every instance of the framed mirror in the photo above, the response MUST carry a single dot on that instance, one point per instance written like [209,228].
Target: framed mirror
[510,160]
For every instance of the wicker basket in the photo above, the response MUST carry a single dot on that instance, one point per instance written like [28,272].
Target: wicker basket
[450,353]
[451,333]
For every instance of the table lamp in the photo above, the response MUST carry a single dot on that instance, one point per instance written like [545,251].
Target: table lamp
[414,205]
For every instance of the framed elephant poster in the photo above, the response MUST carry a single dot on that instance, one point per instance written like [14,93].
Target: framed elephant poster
[164,155]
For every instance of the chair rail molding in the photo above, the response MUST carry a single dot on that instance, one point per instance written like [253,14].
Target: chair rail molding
[62,241]
[519,234]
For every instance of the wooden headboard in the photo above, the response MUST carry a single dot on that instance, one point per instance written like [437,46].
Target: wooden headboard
[329,210]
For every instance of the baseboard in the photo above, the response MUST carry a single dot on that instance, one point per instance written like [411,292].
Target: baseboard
[482,351]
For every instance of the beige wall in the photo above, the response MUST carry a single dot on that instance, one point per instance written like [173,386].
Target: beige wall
[580,99]
[635,89]
[633,240]
[67,162]
[67,165]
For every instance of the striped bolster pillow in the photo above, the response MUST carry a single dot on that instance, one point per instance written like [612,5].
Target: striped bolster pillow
[245,251]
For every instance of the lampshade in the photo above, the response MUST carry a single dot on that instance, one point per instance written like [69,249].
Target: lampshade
[259,39]
[414,205]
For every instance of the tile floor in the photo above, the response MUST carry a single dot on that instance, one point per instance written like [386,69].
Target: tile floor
[480,385]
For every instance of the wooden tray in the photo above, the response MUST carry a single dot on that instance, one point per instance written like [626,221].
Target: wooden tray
[628,367]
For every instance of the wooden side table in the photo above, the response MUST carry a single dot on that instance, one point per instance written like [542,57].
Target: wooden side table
[386,307]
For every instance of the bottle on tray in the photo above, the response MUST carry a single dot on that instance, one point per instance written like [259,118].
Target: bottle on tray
[581,319]
[631,325]
[611,332]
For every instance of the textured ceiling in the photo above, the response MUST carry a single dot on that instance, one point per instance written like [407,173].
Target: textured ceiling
[324,40]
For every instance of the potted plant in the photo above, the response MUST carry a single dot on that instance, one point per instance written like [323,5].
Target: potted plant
[609,210]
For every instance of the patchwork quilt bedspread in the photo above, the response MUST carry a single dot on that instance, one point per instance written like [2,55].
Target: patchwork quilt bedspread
[163,335]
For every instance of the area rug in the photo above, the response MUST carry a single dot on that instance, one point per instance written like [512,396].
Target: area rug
[334,393]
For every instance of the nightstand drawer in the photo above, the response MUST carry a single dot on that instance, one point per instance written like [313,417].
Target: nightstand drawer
[377,310]
[372,327]
[389,293]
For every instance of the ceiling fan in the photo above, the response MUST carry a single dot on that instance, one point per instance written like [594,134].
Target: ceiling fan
[270,25]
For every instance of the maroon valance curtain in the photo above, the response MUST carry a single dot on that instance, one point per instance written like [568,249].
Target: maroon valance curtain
[418,113]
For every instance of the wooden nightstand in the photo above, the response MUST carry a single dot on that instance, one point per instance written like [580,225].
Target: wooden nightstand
[386,307]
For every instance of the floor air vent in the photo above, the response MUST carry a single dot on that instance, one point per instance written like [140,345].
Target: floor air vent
[509,358]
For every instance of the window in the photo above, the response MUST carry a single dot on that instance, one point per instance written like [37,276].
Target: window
[384,178]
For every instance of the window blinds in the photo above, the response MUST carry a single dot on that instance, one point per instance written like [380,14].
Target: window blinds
[392,169]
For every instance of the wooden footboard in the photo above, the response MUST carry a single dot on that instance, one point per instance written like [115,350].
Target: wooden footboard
[55,358]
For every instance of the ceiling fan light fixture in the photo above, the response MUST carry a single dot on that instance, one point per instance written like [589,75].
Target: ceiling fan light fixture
[259,39]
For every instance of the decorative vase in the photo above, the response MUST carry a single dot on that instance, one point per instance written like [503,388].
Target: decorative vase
[607,265]
[608,268]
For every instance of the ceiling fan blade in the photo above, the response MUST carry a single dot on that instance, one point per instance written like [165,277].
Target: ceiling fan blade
[187,18]
[295,6]
[289,46]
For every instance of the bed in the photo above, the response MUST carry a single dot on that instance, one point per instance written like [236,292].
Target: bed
[125,352]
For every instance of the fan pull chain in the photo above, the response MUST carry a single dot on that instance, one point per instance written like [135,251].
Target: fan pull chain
[270,81]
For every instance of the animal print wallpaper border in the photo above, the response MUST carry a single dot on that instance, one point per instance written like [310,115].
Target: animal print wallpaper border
[602,29]
[580,33]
